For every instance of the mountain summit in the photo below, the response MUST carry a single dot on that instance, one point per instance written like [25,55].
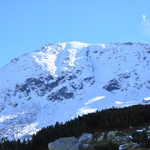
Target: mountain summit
[61,81]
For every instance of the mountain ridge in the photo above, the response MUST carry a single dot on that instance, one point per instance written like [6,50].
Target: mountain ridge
[61,81]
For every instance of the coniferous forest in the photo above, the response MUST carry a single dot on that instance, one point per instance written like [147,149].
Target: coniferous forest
[114,118]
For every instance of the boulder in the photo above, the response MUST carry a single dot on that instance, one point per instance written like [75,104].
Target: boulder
[111,134]
[86,138]
[67,143]
[101,138]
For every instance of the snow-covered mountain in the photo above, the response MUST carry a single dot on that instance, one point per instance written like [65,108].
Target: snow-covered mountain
[64,80]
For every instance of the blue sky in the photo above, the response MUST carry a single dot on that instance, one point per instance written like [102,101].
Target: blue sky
[27,25]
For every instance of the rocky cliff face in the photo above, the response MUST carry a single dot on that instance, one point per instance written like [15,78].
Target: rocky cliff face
[64,80]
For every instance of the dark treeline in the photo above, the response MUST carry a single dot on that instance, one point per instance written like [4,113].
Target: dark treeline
[102,120]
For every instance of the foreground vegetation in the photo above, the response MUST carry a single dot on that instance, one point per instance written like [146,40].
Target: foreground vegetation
[114,118]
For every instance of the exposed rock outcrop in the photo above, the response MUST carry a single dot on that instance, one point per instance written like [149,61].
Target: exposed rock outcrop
[112,85]
[67,143]
[71,143]
[85,139]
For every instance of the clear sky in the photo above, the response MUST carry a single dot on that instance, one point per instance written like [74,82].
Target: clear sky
[27,25]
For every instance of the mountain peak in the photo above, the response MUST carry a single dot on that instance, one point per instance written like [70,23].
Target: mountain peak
[61,81]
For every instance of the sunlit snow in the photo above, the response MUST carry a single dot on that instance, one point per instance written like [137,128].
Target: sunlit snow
[94,99]
[61,81]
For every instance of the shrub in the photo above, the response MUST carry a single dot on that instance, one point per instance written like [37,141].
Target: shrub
[147,145]
[141,138]
[106,145]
